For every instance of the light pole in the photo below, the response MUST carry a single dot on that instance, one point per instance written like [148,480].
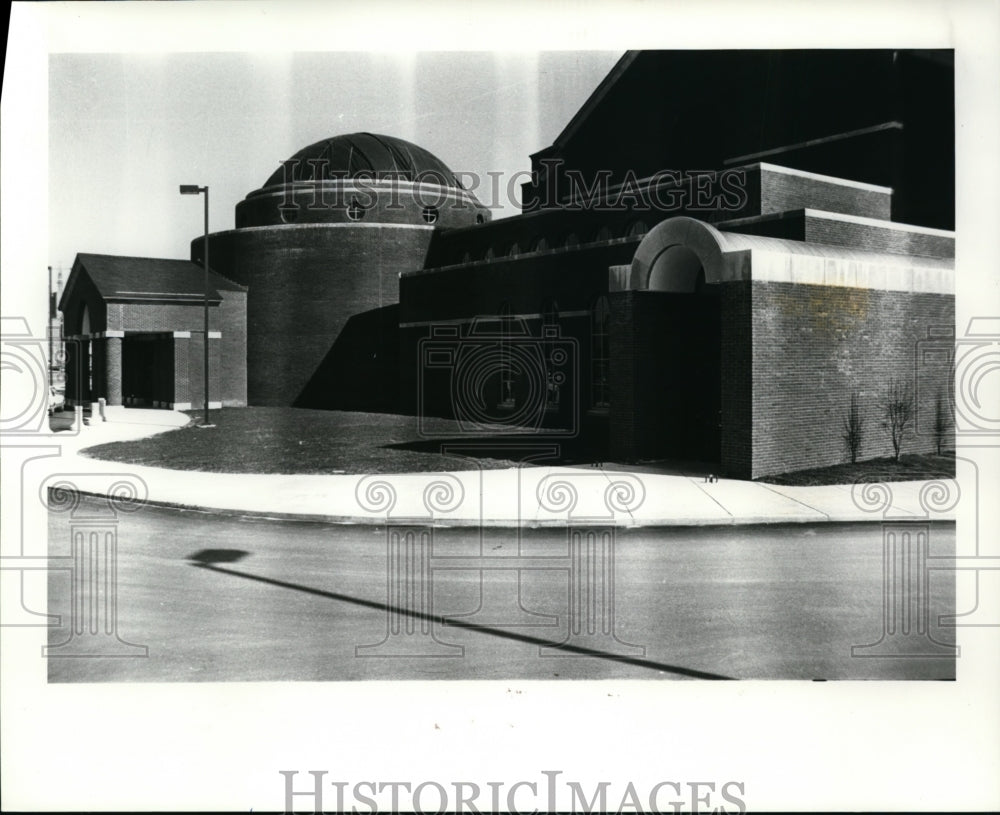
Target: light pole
[52,319]
[194,189]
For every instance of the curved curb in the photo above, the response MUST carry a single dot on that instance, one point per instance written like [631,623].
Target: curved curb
[507,523]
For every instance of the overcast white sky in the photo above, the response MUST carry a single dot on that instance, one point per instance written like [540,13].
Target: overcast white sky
[126,129]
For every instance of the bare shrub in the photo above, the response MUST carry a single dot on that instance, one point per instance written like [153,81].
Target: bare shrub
[854,426]
[897,408]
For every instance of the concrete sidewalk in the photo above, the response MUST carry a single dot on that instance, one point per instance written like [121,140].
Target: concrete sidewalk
[531,496]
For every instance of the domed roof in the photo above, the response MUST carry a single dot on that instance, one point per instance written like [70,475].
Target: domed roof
[364,154]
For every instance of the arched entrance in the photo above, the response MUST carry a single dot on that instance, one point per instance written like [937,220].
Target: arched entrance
[676,269]
[689,368]
[674,355]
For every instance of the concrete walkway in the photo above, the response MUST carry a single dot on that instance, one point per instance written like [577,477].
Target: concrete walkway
[532,496]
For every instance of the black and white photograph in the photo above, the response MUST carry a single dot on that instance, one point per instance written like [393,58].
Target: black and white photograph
[380,383]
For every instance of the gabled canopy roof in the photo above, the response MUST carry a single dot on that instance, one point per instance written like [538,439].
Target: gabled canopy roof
[134,279]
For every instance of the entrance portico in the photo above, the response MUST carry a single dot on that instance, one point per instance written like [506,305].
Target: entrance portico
[134,334]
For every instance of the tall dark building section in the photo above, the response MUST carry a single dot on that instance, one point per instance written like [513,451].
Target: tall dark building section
[885,117]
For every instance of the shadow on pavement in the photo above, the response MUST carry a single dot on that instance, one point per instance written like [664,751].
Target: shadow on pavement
[207,558]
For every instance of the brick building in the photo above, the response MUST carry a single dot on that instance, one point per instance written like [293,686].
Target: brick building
[718,253]
[732,243]
[136,334]
[320,247]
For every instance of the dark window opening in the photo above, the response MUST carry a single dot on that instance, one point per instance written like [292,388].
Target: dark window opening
[637,228]
[599,353]
[355,211]
[506,369]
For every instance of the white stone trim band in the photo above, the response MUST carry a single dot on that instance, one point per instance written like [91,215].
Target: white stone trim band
[342,225]
[463,320]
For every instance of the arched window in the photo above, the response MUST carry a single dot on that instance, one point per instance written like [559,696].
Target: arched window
[355,211]
[538,244]
[637,228]
[603,234]
[550,313]
[571,240]
[600,318]
[514,250]
[506,368]
[489,253]
[554,378]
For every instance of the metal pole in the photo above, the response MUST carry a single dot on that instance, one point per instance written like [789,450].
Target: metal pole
[51,320]
[207,420]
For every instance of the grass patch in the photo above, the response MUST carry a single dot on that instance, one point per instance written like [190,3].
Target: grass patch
[908,468]
[295,441]
[291,440]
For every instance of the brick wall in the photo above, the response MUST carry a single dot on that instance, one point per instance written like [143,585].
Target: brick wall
[814,227]
[815,345]
[233,349]
[113,361]
[784,191]
[227,317]
[773,191]
[156,317]
[878,238]
[737,381]
[305,284]
[182,371]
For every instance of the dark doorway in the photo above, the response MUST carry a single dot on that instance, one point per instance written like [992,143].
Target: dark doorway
[148,370]
[700,378]
[678,375]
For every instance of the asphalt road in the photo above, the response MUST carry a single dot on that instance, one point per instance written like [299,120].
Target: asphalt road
[216,598]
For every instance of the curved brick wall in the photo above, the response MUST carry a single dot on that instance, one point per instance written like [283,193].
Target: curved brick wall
[305,283]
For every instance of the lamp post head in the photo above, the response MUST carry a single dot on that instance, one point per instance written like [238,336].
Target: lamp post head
[192,189]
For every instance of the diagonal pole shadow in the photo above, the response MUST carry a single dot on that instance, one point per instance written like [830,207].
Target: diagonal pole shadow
[481,629]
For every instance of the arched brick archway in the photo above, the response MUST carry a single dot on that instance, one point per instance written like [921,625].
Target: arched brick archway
[665,258]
